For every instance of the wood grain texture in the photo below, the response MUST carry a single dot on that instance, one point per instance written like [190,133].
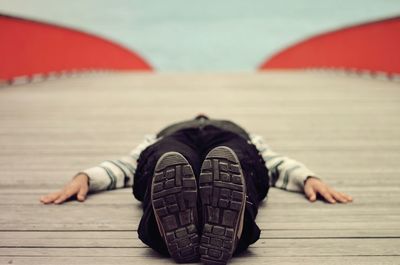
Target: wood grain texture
[249,258]
[347,129]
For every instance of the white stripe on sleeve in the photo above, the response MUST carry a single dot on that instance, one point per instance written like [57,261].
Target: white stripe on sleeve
[119,173]
[284,172]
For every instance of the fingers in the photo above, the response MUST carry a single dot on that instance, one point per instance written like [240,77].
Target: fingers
[66,194]
[49,198]
[82,193]
[314,186]
[341,197]
[327,195]
[348,197]
[63,195]
[77,186]
[333,196]
[310,193]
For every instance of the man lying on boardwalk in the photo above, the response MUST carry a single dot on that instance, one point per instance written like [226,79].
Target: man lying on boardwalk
[200,182]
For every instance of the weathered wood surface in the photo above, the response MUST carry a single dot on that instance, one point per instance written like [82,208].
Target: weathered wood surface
[345,128]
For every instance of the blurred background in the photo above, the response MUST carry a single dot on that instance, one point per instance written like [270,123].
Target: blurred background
[181,35]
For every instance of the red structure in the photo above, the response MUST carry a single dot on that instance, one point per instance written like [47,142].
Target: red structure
[367,47]
[28,47]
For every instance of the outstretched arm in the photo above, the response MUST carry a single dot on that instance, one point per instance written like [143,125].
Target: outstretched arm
[289,174]
[109,175]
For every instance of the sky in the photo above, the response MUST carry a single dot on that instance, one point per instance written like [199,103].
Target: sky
[187,35]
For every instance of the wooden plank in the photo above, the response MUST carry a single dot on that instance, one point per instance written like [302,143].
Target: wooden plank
[343,179]
[262,248]
[44,147]
[364,197]
[126,217]
[349,161]
[247,258]
[129,238]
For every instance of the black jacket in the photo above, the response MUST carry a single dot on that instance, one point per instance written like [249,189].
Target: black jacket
[202,121]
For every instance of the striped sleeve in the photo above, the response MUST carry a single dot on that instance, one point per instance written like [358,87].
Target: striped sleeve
[119,173]
[284,172]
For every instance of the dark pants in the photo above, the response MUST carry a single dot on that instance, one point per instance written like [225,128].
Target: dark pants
[194,144]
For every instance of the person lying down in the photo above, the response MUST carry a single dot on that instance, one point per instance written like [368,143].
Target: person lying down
[200,182]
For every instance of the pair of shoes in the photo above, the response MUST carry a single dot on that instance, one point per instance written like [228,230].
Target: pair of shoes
[222,191]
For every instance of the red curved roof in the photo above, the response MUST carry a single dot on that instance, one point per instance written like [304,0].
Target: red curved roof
[29,47]
[372,46]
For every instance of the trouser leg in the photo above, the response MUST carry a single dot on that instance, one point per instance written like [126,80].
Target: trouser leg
[256,177]
[148,230]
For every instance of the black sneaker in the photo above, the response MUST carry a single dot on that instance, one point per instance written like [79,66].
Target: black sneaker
[223,198]
[174,200]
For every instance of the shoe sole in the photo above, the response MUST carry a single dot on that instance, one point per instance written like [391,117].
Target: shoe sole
[222,190]
[174,201]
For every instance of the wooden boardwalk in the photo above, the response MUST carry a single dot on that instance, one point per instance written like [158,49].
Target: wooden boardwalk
[345,128]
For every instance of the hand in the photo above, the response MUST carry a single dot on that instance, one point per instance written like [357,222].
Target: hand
[314,186]
[78,186]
